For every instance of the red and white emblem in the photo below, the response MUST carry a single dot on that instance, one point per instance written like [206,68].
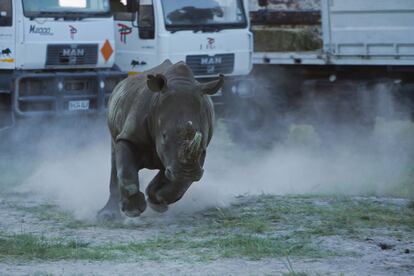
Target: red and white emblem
[72,31]
[210,43]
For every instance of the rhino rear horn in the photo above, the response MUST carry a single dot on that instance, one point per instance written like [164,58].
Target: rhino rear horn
[157,83]
[212,87]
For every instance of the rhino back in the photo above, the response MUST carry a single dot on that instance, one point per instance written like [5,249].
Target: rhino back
[123,105]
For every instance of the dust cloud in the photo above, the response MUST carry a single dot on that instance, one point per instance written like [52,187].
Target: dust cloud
[72,165]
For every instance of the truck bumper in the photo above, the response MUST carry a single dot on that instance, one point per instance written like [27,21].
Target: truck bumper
[63,93]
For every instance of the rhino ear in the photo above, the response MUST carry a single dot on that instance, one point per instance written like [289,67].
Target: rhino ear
[157,83]
[211,88]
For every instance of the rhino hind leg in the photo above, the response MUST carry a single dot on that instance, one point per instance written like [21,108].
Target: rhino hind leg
[132,200]
[162,192]
[110,211]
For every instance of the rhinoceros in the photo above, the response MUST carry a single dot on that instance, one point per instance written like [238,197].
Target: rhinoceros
[162,120]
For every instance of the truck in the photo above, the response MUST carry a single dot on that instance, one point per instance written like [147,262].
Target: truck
[213,37]
[57,58]
[335,62]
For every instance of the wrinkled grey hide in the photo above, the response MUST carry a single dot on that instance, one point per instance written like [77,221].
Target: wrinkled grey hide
[163,120]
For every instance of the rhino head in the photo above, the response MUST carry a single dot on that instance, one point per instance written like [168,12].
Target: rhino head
[182,121]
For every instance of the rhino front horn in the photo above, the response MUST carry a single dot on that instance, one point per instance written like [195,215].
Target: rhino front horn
[195,144]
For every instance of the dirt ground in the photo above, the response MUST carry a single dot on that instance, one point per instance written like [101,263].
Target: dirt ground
[281,219]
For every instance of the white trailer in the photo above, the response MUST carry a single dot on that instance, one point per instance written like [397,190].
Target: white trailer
[57,57]
[354,32]
[367,51]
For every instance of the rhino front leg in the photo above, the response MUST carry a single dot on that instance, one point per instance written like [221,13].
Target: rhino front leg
[132,200]
[156,204]
[111,209]
[162,192]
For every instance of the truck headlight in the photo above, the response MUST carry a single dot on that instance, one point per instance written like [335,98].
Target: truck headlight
[244,88]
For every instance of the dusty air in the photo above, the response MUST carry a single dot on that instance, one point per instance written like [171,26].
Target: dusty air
[206,137]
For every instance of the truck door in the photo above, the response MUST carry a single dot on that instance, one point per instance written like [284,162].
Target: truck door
[7,33]
[134,35]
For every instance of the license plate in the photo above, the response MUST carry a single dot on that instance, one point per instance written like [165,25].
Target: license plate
[78,105]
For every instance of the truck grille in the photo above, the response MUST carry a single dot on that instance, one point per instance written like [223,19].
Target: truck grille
[72,55]
[211,65]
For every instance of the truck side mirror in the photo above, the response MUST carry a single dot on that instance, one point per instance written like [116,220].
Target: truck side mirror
[133,6]
[146,22]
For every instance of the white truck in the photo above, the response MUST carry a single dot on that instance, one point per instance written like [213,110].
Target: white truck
[211,36]
[57,57]
[367,51]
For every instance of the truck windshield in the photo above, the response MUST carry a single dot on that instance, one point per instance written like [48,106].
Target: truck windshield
[203,14]
[66,8]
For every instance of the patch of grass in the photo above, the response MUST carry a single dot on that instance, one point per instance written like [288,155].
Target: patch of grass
[230,246]
[30,247]
[254,228]
[256,247]
[47,211]
[236,220]
[302,219]
[52,212]
[337,215]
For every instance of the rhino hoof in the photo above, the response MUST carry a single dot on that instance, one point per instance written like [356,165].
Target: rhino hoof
[160,208]
[135,205]
[108,215]
[132,213]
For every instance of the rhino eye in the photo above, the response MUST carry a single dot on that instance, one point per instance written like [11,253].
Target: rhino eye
[164,137]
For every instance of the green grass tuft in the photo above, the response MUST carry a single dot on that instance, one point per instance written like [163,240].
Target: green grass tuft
[31,247]
[230,219]
[256,247]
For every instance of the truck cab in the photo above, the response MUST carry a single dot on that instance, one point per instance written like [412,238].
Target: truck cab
[57,57]
[211,36]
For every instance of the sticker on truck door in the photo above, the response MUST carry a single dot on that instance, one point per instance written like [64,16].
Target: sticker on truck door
[5,55]
[124,31]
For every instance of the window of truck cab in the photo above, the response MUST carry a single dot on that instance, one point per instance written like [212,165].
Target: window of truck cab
[66,8]
[6,13]
[196,14]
